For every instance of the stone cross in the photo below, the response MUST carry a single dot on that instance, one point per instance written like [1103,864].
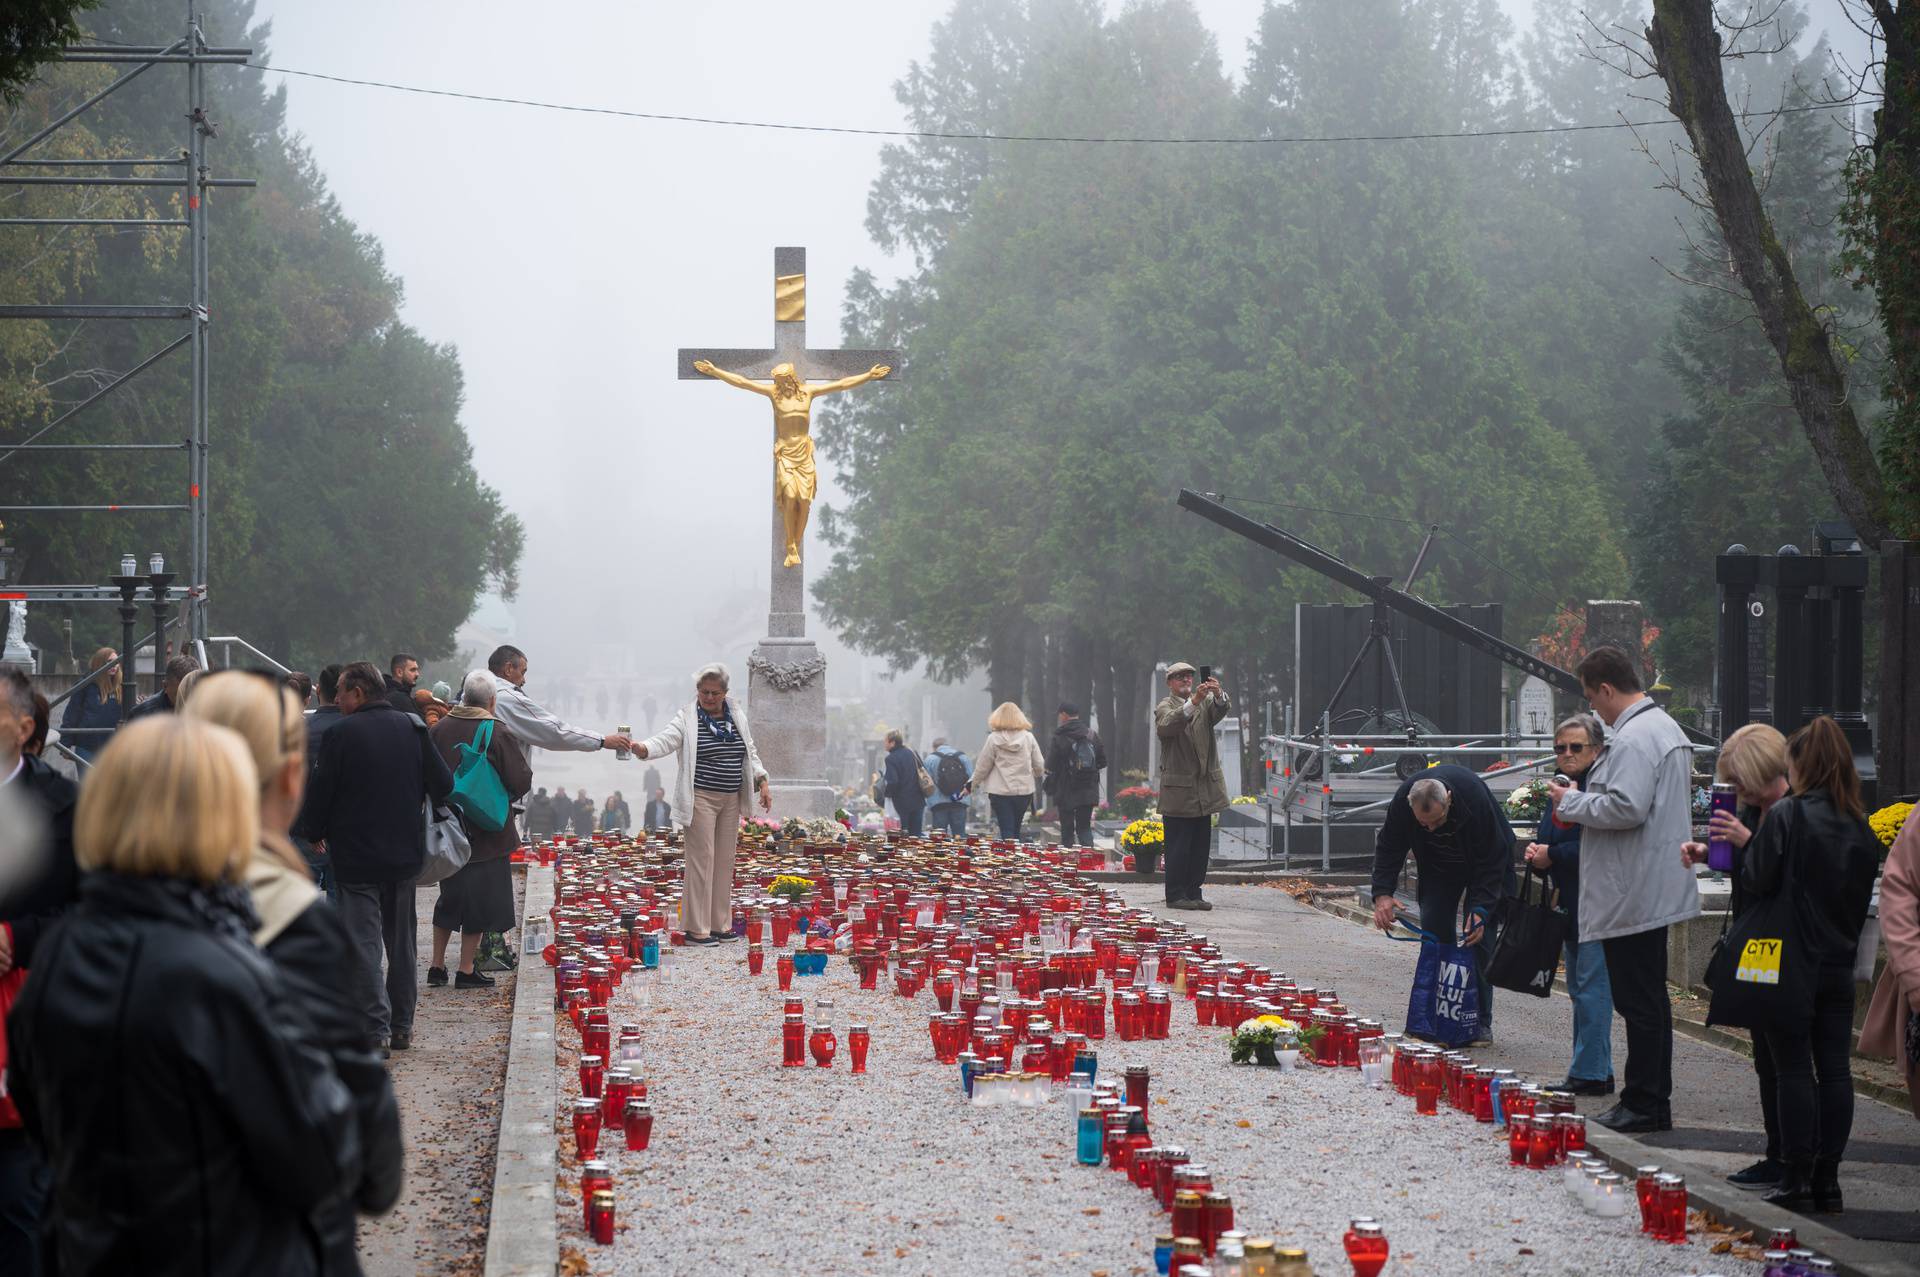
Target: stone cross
[786,683]
[786,615]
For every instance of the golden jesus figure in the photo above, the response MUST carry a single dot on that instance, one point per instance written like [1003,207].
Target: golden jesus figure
[795,480]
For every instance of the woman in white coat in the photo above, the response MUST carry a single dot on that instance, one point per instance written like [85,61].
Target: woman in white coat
[1010,767]
[720,773]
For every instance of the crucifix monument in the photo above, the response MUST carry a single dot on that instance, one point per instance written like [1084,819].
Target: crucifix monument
[786,675]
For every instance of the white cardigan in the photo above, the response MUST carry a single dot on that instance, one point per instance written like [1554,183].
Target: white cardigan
[682,736]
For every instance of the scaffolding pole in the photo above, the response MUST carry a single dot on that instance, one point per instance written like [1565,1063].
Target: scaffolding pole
[189,169]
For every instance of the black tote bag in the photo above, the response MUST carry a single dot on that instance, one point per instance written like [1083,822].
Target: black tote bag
[1526,953]
[1761,974]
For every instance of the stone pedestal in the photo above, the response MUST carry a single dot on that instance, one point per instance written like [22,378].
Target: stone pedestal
[787,698]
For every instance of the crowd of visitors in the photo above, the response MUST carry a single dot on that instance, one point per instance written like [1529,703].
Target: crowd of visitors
[234,853]
[1617,846]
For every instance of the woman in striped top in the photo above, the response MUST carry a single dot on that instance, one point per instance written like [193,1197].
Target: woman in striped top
[720,773]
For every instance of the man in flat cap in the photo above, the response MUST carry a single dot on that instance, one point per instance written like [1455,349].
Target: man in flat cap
[1192,787]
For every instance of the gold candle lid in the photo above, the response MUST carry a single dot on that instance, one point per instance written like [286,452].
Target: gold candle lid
[1259,1245]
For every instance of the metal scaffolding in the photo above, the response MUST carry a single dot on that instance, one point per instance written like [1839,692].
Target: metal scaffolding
[188,169]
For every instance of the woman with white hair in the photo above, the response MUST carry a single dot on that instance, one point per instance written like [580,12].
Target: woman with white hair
[479,898]
[720,772]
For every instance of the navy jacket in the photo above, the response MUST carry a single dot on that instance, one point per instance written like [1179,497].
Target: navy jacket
[902,779]
[88,720]
[377,766]
[1563,842]
[1475,843]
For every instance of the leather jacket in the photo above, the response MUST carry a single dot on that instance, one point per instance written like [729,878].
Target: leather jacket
[1834,858]
[175,1091]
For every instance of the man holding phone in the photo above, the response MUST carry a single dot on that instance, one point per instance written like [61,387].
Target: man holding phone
[1192,785]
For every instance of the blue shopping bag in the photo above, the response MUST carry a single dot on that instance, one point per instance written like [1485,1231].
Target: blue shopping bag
[1444,1005]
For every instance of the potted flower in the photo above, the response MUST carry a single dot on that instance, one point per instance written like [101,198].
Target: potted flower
[1145,835]
[792,888]
[1270,1040]
[1135,801]
[1529,802]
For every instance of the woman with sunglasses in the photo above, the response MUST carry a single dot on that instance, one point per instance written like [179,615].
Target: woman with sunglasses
[1556,849]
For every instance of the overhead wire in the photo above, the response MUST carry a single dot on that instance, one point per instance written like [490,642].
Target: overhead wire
[944,135]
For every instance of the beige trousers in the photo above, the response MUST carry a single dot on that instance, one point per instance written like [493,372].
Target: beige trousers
[713,835]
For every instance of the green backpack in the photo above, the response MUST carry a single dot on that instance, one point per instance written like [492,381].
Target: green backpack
[478,794]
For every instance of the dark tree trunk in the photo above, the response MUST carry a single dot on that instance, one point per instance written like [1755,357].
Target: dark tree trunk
[1686,50]
[1005,664]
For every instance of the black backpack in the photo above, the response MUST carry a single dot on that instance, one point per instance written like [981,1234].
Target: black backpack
[1085,759]
[950,775]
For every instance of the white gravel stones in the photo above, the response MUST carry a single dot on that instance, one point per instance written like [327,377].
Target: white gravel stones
[757,1168]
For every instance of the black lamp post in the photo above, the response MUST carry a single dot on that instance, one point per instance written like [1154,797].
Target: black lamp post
[159,579]
[129,586]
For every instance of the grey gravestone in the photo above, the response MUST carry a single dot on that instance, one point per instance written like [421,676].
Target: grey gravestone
[1616,623]
[786,675]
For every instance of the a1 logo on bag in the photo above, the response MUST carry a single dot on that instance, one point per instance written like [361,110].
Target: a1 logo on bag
[1760,962]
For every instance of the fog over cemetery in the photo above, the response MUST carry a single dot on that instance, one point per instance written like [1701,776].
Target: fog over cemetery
[1325,675]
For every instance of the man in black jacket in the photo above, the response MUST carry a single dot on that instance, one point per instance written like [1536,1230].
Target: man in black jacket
[403,673]
[1075,759]
[169,696]
[35,885]
[1463,846]
[377,767]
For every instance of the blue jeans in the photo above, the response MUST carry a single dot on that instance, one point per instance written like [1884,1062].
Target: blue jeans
[912,820]
[1440,896]
[951,817]
[1586,976]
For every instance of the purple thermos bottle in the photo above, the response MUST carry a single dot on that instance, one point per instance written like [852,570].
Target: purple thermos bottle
[1719,850]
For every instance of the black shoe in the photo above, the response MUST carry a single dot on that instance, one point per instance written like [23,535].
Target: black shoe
[1205,906]
[400,1039]
[1795,1189]
[724,937]
[436,976]
[1180,904]
[472,980]
[702,941]
[1587,1086]
[1826,1188]
[1764,1173]
[1629,1121]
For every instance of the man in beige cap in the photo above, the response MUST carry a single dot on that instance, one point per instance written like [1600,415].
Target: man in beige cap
[1192,787]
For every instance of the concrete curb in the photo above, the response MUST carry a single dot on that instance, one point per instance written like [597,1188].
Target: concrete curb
[1720,1200]
[1236,876]
[522,1235]
[1865,1087]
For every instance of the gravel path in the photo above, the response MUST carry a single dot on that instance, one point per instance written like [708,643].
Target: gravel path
[448,1086]
[758,1168]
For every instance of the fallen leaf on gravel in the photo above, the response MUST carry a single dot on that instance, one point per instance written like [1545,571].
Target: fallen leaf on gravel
[1526,1250]
[1243,1123]
[899,1252]
[572,1262]
[1091,1210]
[1722,1247]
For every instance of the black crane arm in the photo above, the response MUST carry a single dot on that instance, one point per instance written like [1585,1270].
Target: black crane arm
[1312,556]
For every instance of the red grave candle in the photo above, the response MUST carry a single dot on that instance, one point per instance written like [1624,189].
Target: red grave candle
[638,1124]
[858,1040]
[586,1127]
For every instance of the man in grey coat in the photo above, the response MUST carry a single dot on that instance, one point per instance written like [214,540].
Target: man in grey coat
[1636,810]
